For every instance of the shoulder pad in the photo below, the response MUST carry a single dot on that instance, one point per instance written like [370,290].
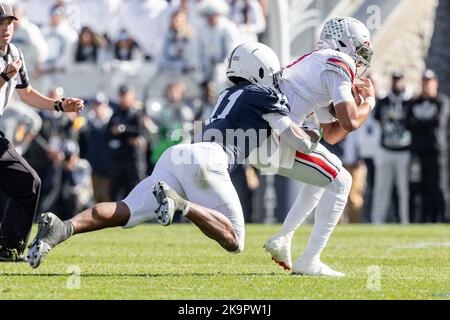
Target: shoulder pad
[272,91]
[343,64]
[257,87]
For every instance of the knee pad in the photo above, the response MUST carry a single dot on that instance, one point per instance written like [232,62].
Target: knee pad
[342,183]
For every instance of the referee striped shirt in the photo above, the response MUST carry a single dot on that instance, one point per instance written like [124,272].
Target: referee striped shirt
[20,81]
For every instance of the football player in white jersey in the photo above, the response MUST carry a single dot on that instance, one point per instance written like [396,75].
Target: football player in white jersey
[322,82]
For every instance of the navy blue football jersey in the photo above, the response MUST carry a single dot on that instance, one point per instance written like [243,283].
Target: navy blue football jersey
[237,121]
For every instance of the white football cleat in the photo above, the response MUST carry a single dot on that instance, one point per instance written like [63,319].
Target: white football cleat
[314,268]
[169,203]
[51,232]
[280,250]
[166,206]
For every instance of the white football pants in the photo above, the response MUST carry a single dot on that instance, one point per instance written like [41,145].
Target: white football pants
[198,171]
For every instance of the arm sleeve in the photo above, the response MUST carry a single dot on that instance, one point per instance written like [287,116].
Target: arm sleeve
[298,141]
[277,121]
[339,87]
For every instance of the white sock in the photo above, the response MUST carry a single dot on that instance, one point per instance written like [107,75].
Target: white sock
[328,212]
[186,210]
[307,199]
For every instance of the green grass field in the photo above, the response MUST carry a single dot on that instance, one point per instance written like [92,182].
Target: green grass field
[178,262]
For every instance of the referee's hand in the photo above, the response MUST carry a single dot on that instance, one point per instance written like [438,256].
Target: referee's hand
[73,105]
[13,68]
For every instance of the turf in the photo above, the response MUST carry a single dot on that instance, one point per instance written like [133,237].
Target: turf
[178,262]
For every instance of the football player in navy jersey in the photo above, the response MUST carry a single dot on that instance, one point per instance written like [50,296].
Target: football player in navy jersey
[193,179]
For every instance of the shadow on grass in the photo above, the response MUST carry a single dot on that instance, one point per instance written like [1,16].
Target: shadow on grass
[144,275]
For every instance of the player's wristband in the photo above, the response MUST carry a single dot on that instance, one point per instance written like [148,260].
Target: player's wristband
[371,102]
[58,105]
[5,76]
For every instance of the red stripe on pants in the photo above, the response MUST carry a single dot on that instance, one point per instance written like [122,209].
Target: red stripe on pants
[318,162]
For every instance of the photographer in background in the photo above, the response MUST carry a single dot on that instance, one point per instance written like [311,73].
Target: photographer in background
[427,120]
[94,147]
[393,158]
[125,136]
[69,181]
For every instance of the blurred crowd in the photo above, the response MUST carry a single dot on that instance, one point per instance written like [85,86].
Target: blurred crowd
[399,157]
[144,68]
[148,67]
[88,46]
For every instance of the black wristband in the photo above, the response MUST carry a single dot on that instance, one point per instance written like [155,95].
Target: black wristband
[5,76]
[61,104]
[58,105]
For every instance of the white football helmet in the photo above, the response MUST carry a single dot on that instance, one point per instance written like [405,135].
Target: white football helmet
[350,36]
[254,62]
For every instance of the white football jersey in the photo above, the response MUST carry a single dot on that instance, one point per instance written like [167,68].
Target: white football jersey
[316,79]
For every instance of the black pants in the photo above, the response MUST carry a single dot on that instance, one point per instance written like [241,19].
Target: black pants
[434,186]
[123,177]
[22,186]
[368,191]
